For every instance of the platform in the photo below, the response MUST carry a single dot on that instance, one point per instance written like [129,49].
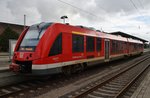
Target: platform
[4,61]
[146,50]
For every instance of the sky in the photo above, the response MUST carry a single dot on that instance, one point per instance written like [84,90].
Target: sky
[129,16]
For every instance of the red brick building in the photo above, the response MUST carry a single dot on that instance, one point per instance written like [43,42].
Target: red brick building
[15,27]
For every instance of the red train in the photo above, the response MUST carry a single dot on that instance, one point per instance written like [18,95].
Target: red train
[49,48]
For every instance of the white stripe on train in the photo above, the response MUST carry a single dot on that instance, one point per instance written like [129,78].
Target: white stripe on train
[55,65]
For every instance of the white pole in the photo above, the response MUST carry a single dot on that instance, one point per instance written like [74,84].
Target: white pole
[24,21]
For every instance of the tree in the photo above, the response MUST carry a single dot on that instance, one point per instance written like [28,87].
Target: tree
[4,38]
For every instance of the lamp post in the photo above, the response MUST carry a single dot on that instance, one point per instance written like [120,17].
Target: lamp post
[63,17]
[24,21]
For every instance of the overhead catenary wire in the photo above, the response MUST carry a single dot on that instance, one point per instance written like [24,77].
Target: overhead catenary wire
[135,7]
[141,4]
[92,14]
[78,8]
[82,9]
[131,1]
[73,6]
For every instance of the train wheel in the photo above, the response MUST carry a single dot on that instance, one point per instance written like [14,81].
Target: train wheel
[67,70]
[77,68]
[84,66]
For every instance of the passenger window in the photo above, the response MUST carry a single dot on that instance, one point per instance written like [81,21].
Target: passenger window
[89,44]
[77,43]
[114,46]
[57,46]
[98,44]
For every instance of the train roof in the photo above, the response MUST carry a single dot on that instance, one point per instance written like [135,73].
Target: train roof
[114,37]
[98,33]
[82,30]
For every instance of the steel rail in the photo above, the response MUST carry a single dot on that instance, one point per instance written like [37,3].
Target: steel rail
[131,82]
[86,92]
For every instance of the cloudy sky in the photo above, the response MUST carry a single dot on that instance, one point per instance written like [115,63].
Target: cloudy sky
[130,16]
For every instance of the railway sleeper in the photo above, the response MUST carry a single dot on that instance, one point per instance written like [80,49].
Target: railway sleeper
[23,86]
[6,91]
[108,91]
[116,83]
[93,96]
[115,86]
[105,95]
[120,81]
[109,88]
[128,93]
[125,96]
[16,88]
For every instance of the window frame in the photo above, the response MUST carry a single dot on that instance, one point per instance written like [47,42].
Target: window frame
[53,49]
[98,44]
[80,43]
[90,46]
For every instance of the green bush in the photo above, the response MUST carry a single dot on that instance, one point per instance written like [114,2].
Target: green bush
[4,38]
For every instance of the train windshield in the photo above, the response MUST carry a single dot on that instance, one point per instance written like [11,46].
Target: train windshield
[32,37]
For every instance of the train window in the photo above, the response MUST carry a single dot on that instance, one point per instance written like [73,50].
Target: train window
[33,36]
[77,43]
[114,46]
[117,46]
[89,44]
[98,44]
[57,46]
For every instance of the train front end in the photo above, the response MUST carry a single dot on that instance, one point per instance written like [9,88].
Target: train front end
[28,49]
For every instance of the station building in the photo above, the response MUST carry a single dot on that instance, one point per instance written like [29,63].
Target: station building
[15,27]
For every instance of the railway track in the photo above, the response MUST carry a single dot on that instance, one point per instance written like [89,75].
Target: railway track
[31,86]
[7,78]
[114,86]
[9,83]
[13,89]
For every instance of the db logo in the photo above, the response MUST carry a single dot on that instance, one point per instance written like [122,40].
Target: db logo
[21,55]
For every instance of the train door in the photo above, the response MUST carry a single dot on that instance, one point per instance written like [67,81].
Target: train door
[107,48]
[67,46]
